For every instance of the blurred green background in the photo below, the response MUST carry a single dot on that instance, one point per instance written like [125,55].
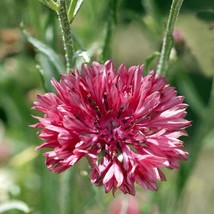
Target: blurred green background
[25,183]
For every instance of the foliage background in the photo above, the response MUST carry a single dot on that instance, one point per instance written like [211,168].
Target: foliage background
[138,34]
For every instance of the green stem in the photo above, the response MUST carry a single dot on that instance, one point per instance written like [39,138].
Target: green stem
[112,20]
[64,190]
[66,34]
[106,47]
[168,38]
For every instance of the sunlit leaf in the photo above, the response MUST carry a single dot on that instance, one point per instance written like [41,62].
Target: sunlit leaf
[74,8]
[24,157]
[51,4]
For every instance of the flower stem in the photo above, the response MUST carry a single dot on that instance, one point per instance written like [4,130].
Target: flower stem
[168,38]
[106,52]
[64,188]
[66,35]
[112,20]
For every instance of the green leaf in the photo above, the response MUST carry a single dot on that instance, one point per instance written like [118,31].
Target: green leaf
[17,205]
[111,21]
[47,71]
[51,4]
[149,61]
[46,50]
[73,9]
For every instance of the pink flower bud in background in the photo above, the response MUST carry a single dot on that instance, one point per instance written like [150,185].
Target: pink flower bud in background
[125,205]
[178,36]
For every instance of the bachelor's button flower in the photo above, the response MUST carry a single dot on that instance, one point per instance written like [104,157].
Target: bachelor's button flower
[126,125]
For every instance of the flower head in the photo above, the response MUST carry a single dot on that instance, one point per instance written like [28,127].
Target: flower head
[126,125]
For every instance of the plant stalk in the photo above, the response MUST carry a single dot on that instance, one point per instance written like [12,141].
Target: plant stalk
[112,20]
[168,38]
[66,35]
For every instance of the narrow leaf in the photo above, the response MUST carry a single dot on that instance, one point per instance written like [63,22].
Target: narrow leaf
[47,71]
[46,50]
[73,9]
[51,4]
[149,61]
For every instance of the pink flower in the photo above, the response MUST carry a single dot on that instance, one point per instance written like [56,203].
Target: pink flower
[126,125]
[128,205]
[178,36]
